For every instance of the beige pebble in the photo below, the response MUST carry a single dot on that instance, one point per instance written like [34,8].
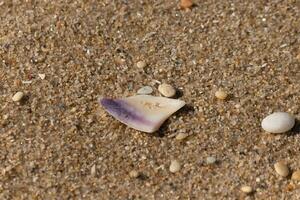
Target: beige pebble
[296,175]
[18,96]
[141,64]
[174,166]
[281,169]
[185,4]
[181,136]
[221,94]
[167,90]
[134,174]
[246,189]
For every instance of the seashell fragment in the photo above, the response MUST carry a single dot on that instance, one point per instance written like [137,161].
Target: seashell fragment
[142,112]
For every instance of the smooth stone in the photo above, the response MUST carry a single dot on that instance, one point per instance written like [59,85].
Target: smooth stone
[18,96]
[174,166]
[296,175]
[221,94]
[281,169]
[246,189]
[278,122]
[141,64]
[167,90]
[211,160]
[145,90]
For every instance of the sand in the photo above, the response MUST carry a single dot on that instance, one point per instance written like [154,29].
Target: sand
[58,143]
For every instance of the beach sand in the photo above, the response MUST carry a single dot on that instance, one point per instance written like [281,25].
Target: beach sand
[59,143]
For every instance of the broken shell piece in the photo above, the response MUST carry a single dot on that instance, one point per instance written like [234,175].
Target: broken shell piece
[143,112]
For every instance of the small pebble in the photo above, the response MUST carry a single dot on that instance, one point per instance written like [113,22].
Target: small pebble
[246,189]
[181,136]
[93,170]
[145,90]
[174,166]
[281,169]
[296,175]
[166,90]
[185,4]
[18,96]
[134,174]
[278,122]
[211,160]
[141,64]
[221,94]
[42,76]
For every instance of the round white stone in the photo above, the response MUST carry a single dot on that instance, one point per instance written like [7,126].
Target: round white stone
[145,90]
[278,122]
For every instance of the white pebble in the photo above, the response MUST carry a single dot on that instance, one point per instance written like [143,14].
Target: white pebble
[145,90]
[246,189]
[141,64]
[281,169]
[18,96]
[175,166]
[166,90]
[278,122]
[211,160]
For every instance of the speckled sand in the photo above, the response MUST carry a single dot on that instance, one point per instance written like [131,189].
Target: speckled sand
[58,143]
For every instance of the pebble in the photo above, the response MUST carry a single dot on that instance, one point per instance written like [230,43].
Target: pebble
[221,94]
[42,76]
[141,64]
[281,169]
[246,189]
[174,166]
[167,90]
[185,4]
[296,175]
[211,160]
[18,96]
[145,90]
[134,174]
[181,136]
[278,122]
[93,170]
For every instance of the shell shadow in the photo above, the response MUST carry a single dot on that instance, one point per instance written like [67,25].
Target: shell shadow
[296,129]
[163,130]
